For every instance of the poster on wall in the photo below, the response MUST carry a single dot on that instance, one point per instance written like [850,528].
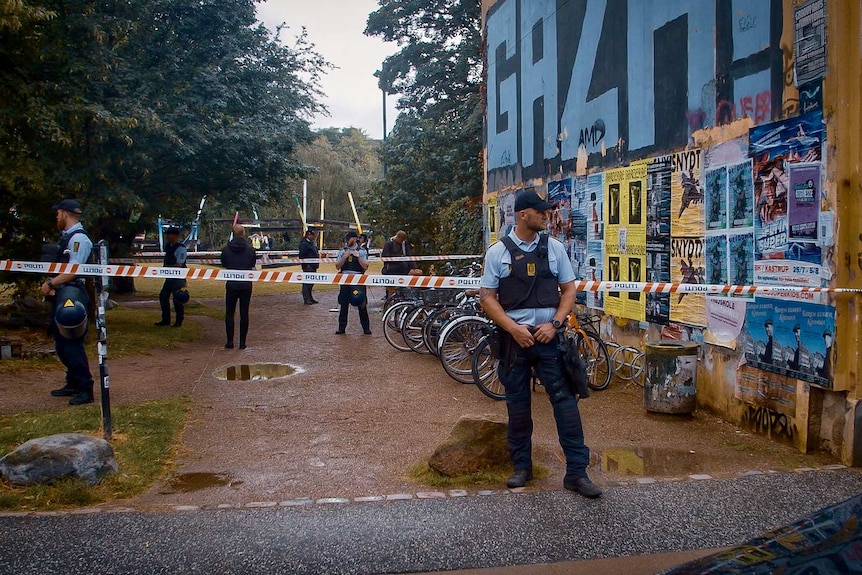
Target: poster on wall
[625,238]
[688,266]
[577,247]
[740,261]
[659,173]
[715,198]
[809,25]
[491,223]
[505,214]
[791,337]
[803,208]
[594,193]
[724,320]
[560,221]
[774,148]
[687,197]
[740,189]
[688,254]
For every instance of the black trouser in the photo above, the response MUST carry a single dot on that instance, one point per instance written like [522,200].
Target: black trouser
[231,297]
[306,292]
[168,288]
[344,302]
[306,288]
[71,352]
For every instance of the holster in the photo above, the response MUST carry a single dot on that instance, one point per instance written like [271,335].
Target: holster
[574,369]
[502,346]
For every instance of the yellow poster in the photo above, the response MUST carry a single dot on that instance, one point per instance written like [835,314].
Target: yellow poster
[687,230]
[625,238]
[687,216]
[687,266]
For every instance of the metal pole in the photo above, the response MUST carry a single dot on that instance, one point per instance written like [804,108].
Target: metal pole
[320,235]
[304,205]
[355,215]
[104,380]
[384,126]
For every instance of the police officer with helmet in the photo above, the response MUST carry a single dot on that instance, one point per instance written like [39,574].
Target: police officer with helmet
[352,259]
[69,303]
[528,290]
[175,257]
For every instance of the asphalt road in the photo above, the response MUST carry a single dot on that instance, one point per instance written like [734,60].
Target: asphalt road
[421,535]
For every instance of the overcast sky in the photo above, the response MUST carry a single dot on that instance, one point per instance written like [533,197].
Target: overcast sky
[335,28]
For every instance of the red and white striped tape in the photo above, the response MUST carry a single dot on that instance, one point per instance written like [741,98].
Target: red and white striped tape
[386,280]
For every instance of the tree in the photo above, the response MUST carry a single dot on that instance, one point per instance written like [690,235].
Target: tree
[340,161]
[139,108]
[433,156]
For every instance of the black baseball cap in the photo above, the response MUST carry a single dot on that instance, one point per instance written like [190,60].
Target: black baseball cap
[172,230]
[69,205]
[310,231]
[528,199]
[351,234]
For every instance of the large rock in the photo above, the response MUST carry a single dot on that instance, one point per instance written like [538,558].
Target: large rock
[477,443]
[45,459]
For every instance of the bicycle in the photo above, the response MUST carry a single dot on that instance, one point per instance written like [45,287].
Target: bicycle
[628,362]
[592,349]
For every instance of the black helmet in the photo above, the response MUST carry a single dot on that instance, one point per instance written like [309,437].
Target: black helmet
[182,295]
[356,296]
[71,319]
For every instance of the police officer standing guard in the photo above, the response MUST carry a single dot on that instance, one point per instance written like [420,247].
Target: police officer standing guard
[352,260]
[69,305]
[175,257]
[528,290]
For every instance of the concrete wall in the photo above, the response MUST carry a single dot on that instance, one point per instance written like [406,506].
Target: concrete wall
[580,88]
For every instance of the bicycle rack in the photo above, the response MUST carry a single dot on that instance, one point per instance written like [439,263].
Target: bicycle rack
[627,362]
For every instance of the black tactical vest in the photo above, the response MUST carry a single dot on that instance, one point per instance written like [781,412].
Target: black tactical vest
[351,264]
[530,283]
[57,252]
[171,255]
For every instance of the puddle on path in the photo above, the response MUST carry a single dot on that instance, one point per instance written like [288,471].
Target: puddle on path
[187,482]
[651,461]
[254,372]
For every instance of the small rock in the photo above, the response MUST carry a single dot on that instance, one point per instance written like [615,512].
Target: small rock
[46,459]
[477,443]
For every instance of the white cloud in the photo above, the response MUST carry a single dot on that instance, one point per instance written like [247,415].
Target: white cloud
[336,28]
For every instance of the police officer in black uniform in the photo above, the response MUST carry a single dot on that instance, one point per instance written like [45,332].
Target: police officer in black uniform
[69,304]
[308,250]
[175,257]
[528,290]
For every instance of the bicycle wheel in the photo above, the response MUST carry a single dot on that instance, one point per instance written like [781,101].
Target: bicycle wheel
[628,363]
[411,329]
[598,363]
[435,323]
[484,370]
[392,321]
[458,343]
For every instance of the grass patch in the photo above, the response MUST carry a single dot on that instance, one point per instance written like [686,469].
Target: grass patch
[494,477]
[145,439]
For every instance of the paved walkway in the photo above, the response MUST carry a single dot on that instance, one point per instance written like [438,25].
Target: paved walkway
[651,526]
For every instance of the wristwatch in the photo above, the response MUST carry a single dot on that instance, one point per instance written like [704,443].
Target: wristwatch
[556,323]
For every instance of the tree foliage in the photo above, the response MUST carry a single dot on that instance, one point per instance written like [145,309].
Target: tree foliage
[139,108]
[433,155]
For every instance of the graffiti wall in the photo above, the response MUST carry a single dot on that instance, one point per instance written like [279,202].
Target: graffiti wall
[583,84]
[679,147]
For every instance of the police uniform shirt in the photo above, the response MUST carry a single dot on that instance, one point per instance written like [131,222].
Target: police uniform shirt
[362,254]
[80,245]
[498,261]
[181,254]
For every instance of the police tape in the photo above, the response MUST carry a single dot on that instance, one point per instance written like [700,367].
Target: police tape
[452,282]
